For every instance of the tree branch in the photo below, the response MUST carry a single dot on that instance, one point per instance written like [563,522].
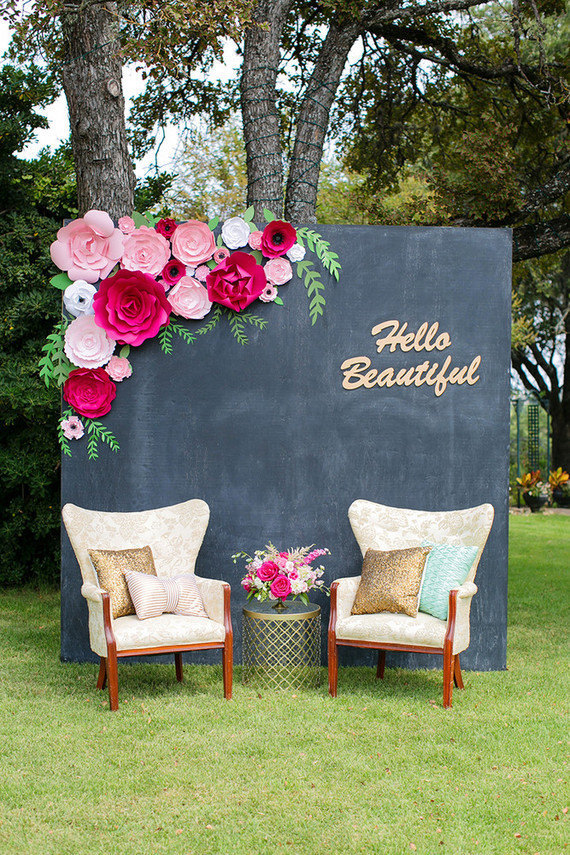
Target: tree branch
[536,239]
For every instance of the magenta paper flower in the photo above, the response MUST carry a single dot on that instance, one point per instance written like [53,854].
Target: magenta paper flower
[277,238]
[72,428]
[278,271]
[268,294]
[89,391]
[88,248]
[189,299]
[254,240]
[166,227]
[126,225]
[173,271]
[131,307]
[280,587]
[145,250]
[119,368]
[268,571]
[236,282]
[193,243]
[86,344]
[221,253]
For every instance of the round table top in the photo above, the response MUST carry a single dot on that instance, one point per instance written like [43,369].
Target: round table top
[294,610]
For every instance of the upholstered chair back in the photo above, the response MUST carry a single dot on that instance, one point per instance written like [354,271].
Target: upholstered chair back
[174,534]
[382,527]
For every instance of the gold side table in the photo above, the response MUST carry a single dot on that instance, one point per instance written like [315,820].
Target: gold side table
[282,649]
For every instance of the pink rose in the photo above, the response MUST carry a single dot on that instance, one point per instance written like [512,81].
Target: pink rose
[268,294]
[193,243]
[254,240]
[166,227]
[280,587]
[145,250]
[119,368]
[88,248]
[189,299]
[86,344]
[246,585]
[236,282]
[131,306]
[89,391]
[268,571]
[278,271]
[277,238]
[72,428]
[126,225]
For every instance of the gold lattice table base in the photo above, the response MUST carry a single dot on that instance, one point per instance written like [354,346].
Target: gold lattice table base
[282,650]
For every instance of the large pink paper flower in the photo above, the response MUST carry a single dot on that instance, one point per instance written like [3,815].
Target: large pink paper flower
[193,243]
[236,282]
[189,299]
[131,307]
[277,238]
[280,587]
[86,344]
[278,271]
[89,391]
[145,250]
[88,248]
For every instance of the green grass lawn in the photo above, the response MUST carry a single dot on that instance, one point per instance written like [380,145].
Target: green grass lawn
[381,769]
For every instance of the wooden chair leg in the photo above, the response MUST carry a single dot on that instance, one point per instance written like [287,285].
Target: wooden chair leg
[228,667]
[457,677]
[178,663]
[381,665]
[448,671]
[333,667]
[102,678]
[113,678]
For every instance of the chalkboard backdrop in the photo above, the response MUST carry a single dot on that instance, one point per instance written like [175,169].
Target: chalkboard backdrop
[275,443]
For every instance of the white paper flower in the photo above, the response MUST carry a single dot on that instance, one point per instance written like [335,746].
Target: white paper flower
[296,253]
[86,344]
[78,298]
[235,232]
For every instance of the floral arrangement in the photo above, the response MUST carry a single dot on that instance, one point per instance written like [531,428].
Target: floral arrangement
[276,575]
[127,284]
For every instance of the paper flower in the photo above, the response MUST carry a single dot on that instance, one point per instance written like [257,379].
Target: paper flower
[86,344]
[88,248]
[201,272]
[72,428]
[296,253]
[277,238]
[278,271]
[119,368]
[131,307]
[189,299]
[166,227]
[78,298]
[145,250]
[221,253]
[254,240]
[193,243]
[173,271]
[236,282]
[126,225]
[89,391]
[268,294]
[235,232]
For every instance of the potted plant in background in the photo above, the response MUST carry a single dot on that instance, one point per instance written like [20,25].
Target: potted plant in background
[533,490]
[559,481]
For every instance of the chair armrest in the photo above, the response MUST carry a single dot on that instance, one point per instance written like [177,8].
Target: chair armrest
[346,589]
[92,592]
[214,594]
[458,626]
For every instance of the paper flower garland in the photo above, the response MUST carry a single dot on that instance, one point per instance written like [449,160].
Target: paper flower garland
[122,286]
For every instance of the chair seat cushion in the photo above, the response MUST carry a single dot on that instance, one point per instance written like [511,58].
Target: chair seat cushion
[388,628]
[132,633]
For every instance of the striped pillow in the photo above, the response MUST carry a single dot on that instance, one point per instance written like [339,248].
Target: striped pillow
[152,596]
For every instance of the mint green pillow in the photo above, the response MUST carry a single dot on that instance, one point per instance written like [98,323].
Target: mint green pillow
[446,567]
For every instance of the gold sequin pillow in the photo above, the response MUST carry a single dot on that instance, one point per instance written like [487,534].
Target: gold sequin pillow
[111,566]
[390,581]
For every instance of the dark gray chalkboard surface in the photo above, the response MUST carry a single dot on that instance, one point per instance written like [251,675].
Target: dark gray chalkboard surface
[268,436]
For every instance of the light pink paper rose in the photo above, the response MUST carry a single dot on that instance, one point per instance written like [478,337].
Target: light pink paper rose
[119,368]
[268,294]
[201,272]
[72,428]
[254,240]
[126,225]
[86,344]
[189,299]
[221,253]
[88,248]
[193,243]
[145,250]
[278,271]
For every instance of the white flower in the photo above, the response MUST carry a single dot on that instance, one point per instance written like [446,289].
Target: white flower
[296,253]
[235,232]
[78,298]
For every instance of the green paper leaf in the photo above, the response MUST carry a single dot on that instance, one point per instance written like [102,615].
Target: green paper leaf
[213,223]
[211,264]
[61,281]
[253,227]
[248,216]
[124,351]
[165,339]
[279,301]
[268,215]
[257,255]
[220,241]
[151,218]
[140,219]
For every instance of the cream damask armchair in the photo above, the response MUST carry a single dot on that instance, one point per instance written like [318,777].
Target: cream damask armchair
[385,528]
[175,535]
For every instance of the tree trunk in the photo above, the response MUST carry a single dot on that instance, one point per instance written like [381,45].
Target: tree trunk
[92,82]
[261,119]
[561,418]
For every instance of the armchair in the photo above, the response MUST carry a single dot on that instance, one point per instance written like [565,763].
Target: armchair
[175,535]
[385,528]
